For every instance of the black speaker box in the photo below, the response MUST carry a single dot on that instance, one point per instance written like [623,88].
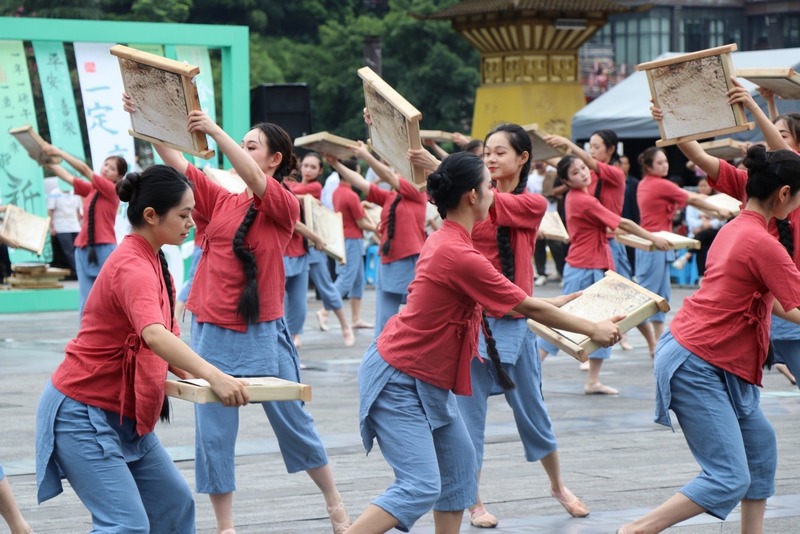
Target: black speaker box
[286,104]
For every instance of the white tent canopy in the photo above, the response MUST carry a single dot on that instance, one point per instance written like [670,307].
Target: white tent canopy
[626,107]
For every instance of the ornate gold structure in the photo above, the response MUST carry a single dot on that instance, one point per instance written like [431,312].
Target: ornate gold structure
[529,57]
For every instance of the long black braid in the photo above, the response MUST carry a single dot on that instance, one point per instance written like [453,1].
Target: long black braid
[491,349]
[504,237]
[249,306]
[277,141]
[165,407]
[390,220]
[90,229]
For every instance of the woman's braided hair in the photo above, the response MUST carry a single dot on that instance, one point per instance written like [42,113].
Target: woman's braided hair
[390,224]
[161,188]
[520,141]
[278,141]
[457,174]
[122,168]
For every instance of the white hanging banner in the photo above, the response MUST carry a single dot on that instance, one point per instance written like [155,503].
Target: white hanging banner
[106,121]
[101,90]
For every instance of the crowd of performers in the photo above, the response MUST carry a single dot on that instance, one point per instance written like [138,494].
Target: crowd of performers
[450,328]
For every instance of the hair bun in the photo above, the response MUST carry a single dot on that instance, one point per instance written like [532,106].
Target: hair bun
[757,158]
[126,188]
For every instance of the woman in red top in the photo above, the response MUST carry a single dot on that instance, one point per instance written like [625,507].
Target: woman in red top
[237,307]
[410,373]
[401,228]
[658,198]
[589,252]
[311,170]
[298,256]
[507,238]
[609,185]
[97,238]
[708,365]
[350,276]
[96,415]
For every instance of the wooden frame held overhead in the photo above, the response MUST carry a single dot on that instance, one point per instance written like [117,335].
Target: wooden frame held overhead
[613,295]
[164,93]
[783,81]
[541,151]
[34,144]
[691,91]
[395,126]
[327,143]
[726,149]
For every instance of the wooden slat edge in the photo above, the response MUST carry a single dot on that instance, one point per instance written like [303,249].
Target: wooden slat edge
[387,91]
[563,343]
[691,56]
[163,63]
[205,154]
[704,135]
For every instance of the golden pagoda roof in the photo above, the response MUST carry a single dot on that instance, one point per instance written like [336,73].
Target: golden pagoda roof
[561,7]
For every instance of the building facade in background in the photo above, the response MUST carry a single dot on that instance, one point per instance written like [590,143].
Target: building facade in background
[683,26]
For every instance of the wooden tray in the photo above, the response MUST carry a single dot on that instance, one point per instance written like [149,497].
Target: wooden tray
[395,126]
[328,224]
[261,389]
[34,145]
[677,241]
[327,143]
[721,200]
[437,136]
[613,295]
[164,93]
[227,179]
[726,149]
[20,229]
[552,227]
[691,91]
[541,150]
[784,81]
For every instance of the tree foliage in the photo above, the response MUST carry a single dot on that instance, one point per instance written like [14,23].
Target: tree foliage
[320,42]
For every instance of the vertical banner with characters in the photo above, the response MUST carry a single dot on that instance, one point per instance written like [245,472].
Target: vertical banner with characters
[198,55]
[107,123]
[59,100]
[20,176]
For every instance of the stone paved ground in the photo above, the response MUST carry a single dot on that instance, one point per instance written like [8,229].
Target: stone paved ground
[612,454]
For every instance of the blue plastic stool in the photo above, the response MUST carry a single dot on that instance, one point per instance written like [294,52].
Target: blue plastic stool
[371,266]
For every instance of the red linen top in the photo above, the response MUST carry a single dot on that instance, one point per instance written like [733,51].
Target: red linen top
[296,247]
[108,365]
[732,181]
[220,279]
[409,220]
[658,198]
[105,210]
[348,203]
[726,322]
[587,220]
[522,214]
[612,194]
[435,336]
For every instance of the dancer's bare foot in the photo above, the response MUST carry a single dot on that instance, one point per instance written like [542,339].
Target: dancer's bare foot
[322,320]
[362,325]
[349,337]
[786,372]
